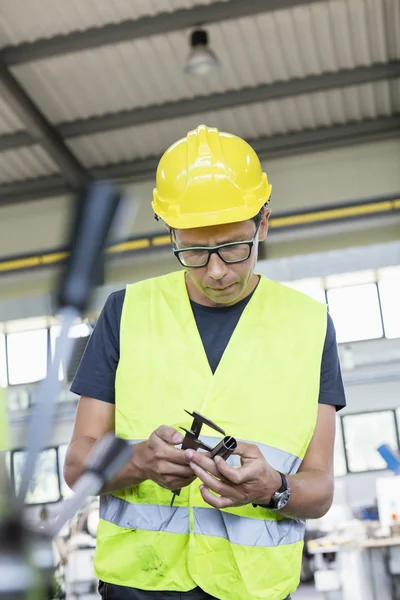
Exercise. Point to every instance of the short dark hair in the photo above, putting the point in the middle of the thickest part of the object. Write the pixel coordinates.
(259, 216)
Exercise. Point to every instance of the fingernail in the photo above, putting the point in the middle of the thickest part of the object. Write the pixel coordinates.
(189, 454)
(201, 487)
(192, 465)
(178, 438)
(217, 459)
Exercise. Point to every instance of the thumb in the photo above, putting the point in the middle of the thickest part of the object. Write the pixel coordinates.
(246, 450)
(169, 434)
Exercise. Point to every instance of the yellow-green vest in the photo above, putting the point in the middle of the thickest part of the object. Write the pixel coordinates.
(265, 390)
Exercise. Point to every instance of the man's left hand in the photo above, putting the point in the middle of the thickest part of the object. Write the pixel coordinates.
(253, 482)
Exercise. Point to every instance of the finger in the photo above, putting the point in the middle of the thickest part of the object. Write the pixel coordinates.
(247, 450)
(176, 483)
(168, 468)
(216, 485)
(169, 435)
(174, 455)
(202, 460)
(235, 475)
(215, 501)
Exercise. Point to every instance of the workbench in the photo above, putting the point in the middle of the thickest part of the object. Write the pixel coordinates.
(356, 569)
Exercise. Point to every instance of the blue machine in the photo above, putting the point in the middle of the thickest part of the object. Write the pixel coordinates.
(391, 458)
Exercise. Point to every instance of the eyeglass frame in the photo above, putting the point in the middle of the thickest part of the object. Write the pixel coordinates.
(215, 250)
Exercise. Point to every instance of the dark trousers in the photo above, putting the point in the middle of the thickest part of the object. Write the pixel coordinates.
(109, 591)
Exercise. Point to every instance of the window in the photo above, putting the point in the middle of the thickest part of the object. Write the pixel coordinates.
(339, 456)
(65, 490)
(347, 279)
(3, 361)
(364, 433)
(311, 287)
(7, 461)
(389, 291)
(27, 356)
(355, 312)
(398, 423)
(19, 398)
(5, 470)
(44, 486)
(76, 331)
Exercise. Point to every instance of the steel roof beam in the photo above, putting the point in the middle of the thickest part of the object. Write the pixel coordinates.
(213, 102)
(40, 129)
(162, 23)
(267, 148)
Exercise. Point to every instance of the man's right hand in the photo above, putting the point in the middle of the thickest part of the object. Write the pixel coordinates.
(157, 459)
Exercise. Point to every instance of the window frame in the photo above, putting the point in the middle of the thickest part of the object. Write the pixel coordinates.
(48, 358)
(378, 281)
(343, 444)
(368, 412)
(12, 476)
(397, 423)
(6, 373)
(369, 339)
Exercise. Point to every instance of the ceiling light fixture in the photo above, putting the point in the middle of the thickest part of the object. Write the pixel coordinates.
(202, 59)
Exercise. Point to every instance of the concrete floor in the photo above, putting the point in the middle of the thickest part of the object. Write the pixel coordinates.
(307, 592)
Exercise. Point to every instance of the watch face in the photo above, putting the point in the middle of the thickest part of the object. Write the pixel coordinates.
(283, 499)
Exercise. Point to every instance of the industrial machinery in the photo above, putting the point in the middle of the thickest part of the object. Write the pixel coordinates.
(360, 558)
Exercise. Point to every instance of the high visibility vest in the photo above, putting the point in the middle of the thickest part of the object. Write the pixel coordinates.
(264, 391)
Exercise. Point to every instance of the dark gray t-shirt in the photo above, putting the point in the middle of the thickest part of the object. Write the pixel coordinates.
(95, 376)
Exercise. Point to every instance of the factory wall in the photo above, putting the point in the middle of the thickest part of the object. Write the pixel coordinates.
(305, 181)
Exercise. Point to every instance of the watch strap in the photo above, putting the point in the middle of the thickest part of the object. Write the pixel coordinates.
(283, 487)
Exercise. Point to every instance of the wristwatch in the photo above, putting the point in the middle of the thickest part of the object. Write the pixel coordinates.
(279, 498)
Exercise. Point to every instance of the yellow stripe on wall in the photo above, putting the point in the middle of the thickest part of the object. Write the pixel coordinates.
(320, 216)
(334, 213)
(20, 263)
(129, 245)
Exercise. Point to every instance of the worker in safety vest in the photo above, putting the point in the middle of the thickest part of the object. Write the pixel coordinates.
(254, 356)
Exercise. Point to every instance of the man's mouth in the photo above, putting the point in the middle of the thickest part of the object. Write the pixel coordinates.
(223, 289)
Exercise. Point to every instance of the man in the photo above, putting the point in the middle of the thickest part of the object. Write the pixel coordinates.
(257, 358)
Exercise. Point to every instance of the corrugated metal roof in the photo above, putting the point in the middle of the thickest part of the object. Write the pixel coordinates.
(277, 46)
(26, 163)
(259, 120)
(9, 122)
(27, 21)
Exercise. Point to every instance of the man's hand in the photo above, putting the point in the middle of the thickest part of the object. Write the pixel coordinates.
(157, 459)
(254, 482)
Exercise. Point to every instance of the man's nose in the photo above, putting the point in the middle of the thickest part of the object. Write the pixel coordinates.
(216, 267)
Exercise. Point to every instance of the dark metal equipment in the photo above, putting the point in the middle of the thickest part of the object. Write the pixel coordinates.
(192, 441)
(26, 556)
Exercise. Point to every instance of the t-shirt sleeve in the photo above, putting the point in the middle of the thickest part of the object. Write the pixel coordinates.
(331, 383)
(95, 376)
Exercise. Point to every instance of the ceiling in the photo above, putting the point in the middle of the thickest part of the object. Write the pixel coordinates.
(99, 88)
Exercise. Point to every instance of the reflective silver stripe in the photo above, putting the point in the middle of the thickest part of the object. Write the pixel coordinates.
(207, 521)
(150, 517)
(278, 459)
(245, 531)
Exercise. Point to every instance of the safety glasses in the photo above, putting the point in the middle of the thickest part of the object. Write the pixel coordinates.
(229, 253)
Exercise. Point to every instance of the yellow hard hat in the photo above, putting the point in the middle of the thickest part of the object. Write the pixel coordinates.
(209, 178)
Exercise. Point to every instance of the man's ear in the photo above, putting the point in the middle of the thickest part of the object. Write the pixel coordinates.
(263, 231)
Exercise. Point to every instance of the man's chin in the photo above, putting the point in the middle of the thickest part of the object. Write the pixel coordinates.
(225, 296)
